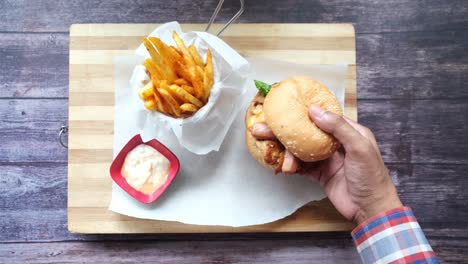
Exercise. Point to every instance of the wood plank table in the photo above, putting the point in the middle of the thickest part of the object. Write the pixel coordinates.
(411, 73)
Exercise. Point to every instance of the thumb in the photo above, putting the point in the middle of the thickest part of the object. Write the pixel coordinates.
(335, 125)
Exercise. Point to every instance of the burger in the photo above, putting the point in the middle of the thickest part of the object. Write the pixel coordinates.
(279, 133)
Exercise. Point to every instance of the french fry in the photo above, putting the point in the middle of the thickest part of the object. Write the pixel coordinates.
(200, 71)
(140, 94)
(209, 64)
(175, 55)
(190, 74)
(175, 50)
(185, 52)
(150, 48)
(164, 51)
(176, 95)
(197, 82)
(188, 89)
(201, 75)
(173, 105)
(188, 108)
(161, 105)
(160, 109)
(206, 86)
(185, 96)
(164, 85)
(150, 104)
(182, 71)
(190, 66)
(208, 78)
(181, 81)
(166, 72)
(195, 55)
(147, 91)
(152, 69)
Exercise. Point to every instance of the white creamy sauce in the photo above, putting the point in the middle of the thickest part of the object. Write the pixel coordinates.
(145, 169)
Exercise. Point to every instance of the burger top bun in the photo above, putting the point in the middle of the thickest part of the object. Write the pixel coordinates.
(286, 113)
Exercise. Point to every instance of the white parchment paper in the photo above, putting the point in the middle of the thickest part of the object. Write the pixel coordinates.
(214, 119)
(227, 187)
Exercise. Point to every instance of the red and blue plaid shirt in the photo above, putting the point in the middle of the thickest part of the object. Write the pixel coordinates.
(393, 236)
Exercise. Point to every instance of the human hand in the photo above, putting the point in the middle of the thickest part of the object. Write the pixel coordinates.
(356, 180)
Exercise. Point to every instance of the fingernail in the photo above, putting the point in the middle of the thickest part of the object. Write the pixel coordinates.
(262, 131)
(316, 111)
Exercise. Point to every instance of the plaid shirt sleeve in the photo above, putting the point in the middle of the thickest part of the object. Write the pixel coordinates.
(393, 236)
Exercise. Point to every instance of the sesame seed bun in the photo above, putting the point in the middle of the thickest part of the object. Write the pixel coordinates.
(286, 113)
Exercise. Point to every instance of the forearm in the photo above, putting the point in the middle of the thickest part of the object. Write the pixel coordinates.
(393, 237)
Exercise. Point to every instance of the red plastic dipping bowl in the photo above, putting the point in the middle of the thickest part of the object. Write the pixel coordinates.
(116, 167)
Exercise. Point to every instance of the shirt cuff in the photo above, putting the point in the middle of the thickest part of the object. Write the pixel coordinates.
(393, 236)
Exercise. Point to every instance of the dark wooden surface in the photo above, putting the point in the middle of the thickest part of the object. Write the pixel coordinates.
(412, 91)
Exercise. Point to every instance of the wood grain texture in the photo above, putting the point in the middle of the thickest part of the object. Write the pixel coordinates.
(418, 131)
(405, 130)
(287, 251)
(415, 65)
(42, 215)
(421, 57)
(89, 187)
(29, 129)
(450, 250)
(241, 42)
(435, 192)
(261, 251)
(368, 16)
(33, 65)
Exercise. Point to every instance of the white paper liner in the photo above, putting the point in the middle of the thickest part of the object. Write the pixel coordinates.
(227, 187)
(214, 119)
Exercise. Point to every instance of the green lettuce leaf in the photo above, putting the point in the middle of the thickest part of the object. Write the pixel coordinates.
(263, 87)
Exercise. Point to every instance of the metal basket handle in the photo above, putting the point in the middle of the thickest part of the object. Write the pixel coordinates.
(215, 14)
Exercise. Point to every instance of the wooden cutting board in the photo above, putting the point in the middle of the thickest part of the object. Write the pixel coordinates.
(91, 115)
